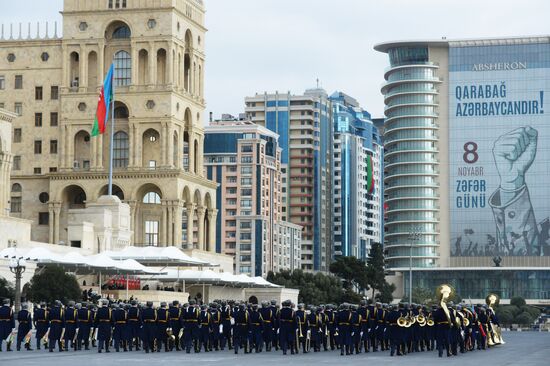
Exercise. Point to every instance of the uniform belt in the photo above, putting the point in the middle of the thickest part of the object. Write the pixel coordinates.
(23, 321)
(364, 321)
(267, 321)
(343, 323)
(204, 323)
(286, 320)
(121, 322)
(149, 321)
(445, 322)
(56, 321)
(70, 321)
(393, 323)
(191, 320)
(84, 321)
(105, 320)
(242, 324)
(174, 318)
(133, 320)
(380, 321)
(228, 318)
(255, 323)
(163, 321)
(42, 321)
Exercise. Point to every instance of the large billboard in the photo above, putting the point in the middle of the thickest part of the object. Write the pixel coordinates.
(499, 153)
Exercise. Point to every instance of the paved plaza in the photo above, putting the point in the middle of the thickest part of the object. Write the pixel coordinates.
(525, 349)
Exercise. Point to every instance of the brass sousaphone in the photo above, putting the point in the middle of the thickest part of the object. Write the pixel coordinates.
(444, 293)
(493, 300)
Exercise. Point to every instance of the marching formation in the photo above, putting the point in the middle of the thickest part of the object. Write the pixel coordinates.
(190, 327)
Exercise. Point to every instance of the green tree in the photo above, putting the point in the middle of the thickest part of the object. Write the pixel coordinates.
(353, 271)
(375, 268)
(505, 316)
(386, 293)
(53, 283)
(6, 289)
(315, 288)
(422, 295)
(518, 301)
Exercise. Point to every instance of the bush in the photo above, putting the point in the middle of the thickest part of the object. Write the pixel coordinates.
(52, 284)
(534, 312)
(524, 319)
(517, 301)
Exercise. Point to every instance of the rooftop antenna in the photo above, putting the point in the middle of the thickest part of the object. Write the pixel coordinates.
(2, 36)
(37, 30)
(55, 30)
(20, 27)
(317, 83)
(11, 30)
(29, 31)
(47, 32)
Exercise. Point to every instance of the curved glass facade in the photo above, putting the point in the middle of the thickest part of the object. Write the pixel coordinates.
(412, 170)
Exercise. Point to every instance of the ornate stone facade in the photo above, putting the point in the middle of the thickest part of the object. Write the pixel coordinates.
(53, 83)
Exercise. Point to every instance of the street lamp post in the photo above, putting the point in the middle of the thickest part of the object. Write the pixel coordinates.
(18, 266)
(414, 235)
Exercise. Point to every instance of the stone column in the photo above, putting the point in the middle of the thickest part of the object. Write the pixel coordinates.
(70, 145)
(200, 162)
(170, 150)
(200, 218)
(135, 64)
(136, 150)
(66, 66)
(180, 148)
(170, 223)
(177, 216)
(191, 153)
(152, 64)
(52, 222)
(100, 140)
(190, 217)
(83, 69)
(212, 215)
(164, 145)
(133, 207)
(101, 64)
(164, 224)
(57, 217)
(170, 65)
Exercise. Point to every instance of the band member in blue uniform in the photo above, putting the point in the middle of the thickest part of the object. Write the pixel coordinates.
(190, 324)
(162, 325)
(120, 320)
(85, 322)
(256, 327)
(225, 337)
(174, 312)
(149, 318)
(56, 317)
(286, 320)
(204, 328)
(394, 331)
(41, 323)
(24, 319)
(104, 323)
(134, 325)
(240, 330)
(71, 326)
(343, 324)
(268, 317)
(301, 328)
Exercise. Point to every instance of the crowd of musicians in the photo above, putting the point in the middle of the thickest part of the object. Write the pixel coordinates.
(292, 329)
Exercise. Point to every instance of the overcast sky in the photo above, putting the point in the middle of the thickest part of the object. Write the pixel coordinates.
(268, 45)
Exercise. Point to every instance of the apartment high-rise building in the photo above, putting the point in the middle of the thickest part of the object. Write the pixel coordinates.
(304, 126)
(466, 165)
(245, 160)
(52, 82)
(357, 179)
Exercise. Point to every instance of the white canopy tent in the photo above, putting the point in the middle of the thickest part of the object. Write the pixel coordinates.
(213, 278)
(159, 256)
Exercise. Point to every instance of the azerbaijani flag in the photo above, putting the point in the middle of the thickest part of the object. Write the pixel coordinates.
(370, 175)
(102, 114)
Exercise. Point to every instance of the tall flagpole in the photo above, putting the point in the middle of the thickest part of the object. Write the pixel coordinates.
(112, 138)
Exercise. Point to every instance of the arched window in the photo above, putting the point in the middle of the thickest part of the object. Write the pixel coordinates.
(152, 197)
(123, 68)
(121, 112)
(16, 187)
(122, 32)
(120, 150)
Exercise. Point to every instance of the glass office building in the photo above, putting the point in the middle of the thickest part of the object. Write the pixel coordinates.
(466, 168)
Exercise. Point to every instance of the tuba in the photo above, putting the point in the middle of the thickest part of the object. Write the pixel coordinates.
(402, 322)
(443, 293)
(430, 322)
(495, 333)
(170, 334)
(421, 320)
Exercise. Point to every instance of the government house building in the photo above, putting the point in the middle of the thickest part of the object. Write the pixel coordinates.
(52, 84)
